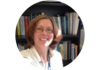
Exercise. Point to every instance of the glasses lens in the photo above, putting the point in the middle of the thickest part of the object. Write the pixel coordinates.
(40, 30)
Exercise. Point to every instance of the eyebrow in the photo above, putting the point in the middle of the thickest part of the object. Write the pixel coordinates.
(43, 27)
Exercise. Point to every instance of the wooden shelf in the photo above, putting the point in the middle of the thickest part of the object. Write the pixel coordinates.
(70, 36)
(23, 40)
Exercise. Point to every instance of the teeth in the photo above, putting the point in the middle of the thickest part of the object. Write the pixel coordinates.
(44, 39)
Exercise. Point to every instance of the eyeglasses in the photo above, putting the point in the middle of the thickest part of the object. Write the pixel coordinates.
(40, 30)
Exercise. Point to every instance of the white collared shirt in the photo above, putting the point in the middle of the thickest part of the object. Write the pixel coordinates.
(33, 57)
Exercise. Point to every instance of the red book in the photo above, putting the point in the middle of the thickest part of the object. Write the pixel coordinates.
(25, 23)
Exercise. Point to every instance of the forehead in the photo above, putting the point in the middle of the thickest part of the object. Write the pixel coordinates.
(44, 23)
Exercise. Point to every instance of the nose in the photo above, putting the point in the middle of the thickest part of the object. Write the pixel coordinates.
(44, 32)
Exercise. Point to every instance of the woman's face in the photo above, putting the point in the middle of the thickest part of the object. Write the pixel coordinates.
(43, 35)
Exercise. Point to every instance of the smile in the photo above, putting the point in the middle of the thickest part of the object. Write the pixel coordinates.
(43, 39)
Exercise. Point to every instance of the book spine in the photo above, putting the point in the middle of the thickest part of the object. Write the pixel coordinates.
(72, 53)
(35, 15)
(62, 24)
(57, 48)
(32, 17)
(64, 51)
(66, 24)
(61, 49)
(22, 29)
(69, 50)
(56, 19)
(77, 23)
(25, 23)
(76, 48)
(59, 23)
(68, 21)
(64, 19)
(70, 24)
(29, 19)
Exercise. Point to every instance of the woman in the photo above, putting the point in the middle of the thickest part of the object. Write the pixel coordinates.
(42, 37)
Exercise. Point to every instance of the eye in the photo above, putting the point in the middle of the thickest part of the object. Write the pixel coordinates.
(48, 29)
(39, 28)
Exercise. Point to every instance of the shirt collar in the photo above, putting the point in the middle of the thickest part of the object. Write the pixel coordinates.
(37, 55)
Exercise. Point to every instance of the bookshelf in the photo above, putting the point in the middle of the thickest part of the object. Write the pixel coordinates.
(53, 8)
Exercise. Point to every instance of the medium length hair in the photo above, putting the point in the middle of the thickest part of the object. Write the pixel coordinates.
(32, 26)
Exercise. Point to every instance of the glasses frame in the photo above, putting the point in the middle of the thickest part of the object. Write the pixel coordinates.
(47, 30)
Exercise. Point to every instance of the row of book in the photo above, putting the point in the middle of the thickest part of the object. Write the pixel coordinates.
(68, 24)
(67, 49)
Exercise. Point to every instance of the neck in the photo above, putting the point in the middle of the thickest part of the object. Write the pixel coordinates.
(42, 53)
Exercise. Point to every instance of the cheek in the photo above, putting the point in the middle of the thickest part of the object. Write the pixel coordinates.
(35, 36)
(52, 36)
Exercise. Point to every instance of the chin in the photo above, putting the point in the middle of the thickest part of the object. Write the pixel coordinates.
(45, 45)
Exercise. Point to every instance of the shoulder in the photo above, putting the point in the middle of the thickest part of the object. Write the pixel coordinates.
(25, 53)
(55, 53)
(28, 55)
(56, 59)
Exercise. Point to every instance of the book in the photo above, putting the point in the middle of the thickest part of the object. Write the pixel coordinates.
(57, 48)
(21, 22)
(56, 20)
(67, 24)
(66, 52)
(59, 23)
(73, 53)
(70, 23)
(29, 19)
(81, 38)
(32, 17)
(75, 24)
(62, 24)
(76, 49)
(61, 49)
(67, 49)
(64, 55)
(25, 24)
